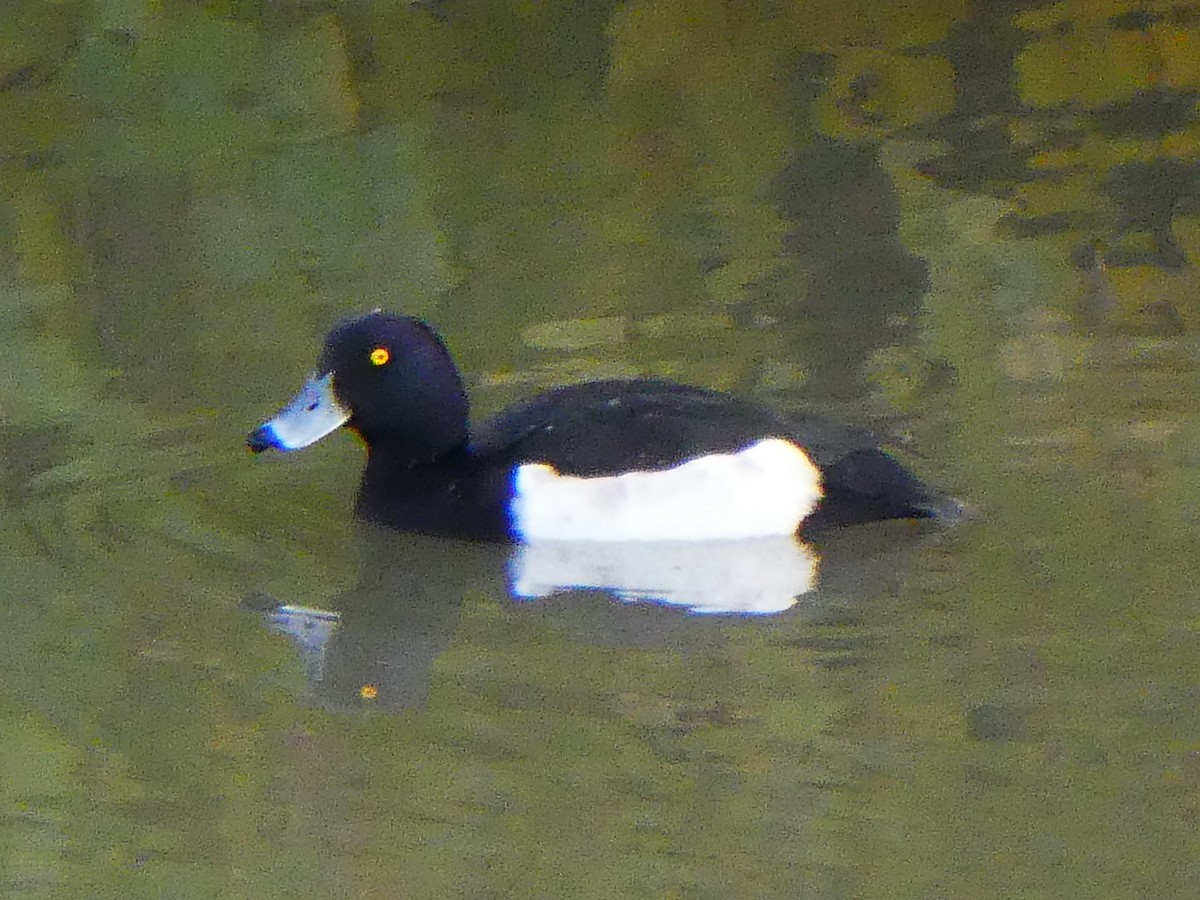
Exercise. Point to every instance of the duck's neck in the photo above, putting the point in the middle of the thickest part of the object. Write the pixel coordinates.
(453, 495)
(419, 434)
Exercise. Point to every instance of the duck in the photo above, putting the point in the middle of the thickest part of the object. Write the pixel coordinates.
(639, 459)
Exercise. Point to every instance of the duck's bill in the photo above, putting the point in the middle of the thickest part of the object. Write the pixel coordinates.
(312, 414)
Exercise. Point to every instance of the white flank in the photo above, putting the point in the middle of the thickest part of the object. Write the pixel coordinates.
(754, 577)
(766, 489)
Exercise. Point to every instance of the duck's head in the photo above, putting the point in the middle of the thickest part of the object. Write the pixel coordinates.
(389, 378)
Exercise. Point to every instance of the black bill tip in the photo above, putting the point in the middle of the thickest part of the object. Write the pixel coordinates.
(262, 438)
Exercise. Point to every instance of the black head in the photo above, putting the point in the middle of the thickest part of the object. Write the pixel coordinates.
(396, 378)
(388, 377)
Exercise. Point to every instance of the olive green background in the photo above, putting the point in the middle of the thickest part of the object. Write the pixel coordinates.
(974, 226)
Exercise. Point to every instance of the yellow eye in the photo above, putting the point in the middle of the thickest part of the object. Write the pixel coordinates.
(380, 356)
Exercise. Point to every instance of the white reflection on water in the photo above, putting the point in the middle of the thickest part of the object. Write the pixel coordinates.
(749, 577)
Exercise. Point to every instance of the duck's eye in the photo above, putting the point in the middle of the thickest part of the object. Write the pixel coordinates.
(380, 356)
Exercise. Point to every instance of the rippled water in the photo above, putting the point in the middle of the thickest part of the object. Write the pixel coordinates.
(216, 684)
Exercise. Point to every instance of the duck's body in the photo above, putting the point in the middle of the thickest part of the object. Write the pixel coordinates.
(608, 460)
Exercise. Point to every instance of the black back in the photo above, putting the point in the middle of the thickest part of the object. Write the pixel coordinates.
(609, 427)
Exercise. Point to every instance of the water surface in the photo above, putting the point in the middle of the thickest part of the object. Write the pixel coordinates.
(972, 228)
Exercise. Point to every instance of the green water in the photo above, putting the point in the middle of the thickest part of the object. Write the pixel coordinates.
(873, 211)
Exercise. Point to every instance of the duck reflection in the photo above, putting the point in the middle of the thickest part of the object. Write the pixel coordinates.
(749, 577)
(374, 644)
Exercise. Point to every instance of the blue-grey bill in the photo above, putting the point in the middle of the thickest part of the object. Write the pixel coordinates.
(312, 414)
